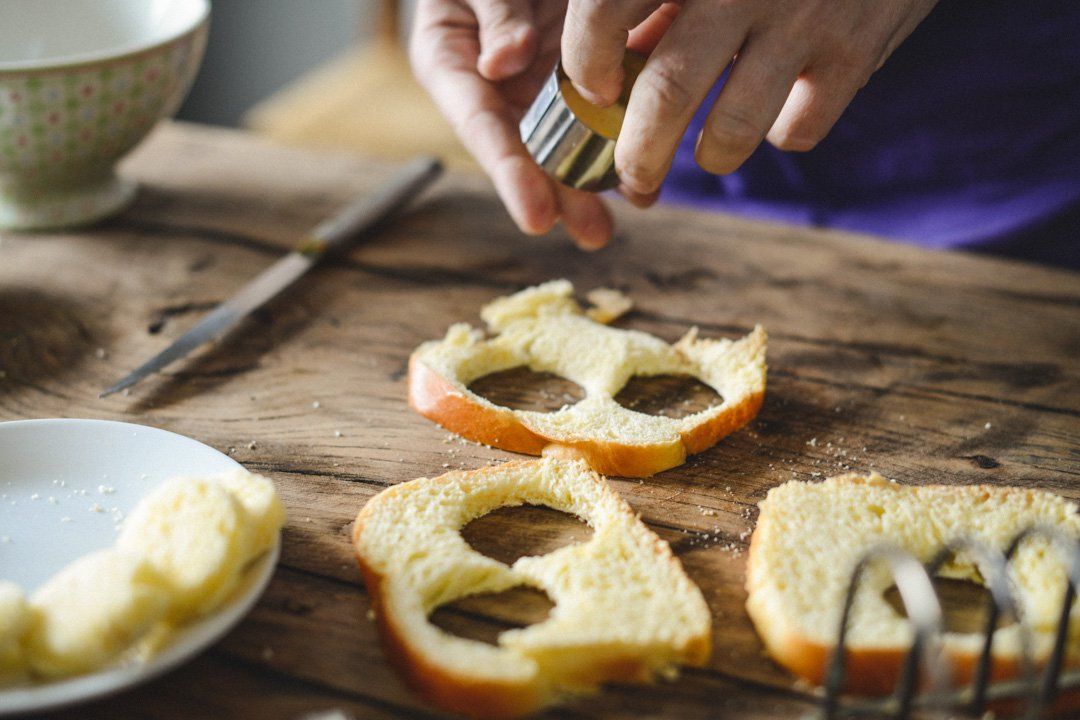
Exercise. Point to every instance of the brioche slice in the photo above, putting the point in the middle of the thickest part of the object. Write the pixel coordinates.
(14, 618)
(545, 329)
(91, 611)
(624, 608)
(810, 536)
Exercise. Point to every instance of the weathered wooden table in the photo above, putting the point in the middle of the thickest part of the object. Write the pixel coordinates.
(927, 367)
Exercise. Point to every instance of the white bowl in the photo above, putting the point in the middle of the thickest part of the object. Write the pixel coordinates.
(81, 83)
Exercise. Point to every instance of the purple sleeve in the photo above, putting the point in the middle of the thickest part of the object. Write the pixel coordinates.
(968, 137)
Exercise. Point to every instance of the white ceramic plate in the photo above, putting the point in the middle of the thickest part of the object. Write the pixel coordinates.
(64, 487)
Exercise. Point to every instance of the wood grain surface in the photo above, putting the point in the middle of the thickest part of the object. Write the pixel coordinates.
(927, 367)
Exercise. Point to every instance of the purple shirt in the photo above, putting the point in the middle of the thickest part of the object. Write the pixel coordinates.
(968, 137)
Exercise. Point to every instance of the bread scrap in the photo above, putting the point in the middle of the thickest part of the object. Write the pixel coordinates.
(546, 330)
(14, 617)
(624, 608)
(180, 553)
(810, 536)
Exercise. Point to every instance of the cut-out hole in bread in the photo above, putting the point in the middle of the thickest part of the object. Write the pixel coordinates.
(522, 389)
(673, 396)
(543, 328)
(486, 616)
(624, 609)
(508, 533)
(965, 604)
(810, 536)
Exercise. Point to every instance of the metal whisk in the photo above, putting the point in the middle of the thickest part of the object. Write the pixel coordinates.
(937, 698)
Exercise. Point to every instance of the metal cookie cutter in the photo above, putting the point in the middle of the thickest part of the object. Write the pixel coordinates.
(572, 139)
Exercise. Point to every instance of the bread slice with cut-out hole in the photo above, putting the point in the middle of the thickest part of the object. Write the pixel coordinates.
(624, 608)
(543, 328)
(809, 537)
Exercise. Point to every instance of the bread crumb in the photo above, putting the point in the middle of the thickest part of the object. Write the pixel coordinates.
(987, 426)
(812, 442)
(101, 354)
(607, 304)
(316, 405)
(252, 445)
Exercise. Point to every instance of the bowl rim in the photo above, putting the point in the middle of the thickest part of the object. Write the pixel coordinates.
(109, 55)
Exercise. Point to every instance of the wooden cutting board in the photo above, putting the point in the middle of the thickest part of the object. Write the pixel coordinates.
(928, 367)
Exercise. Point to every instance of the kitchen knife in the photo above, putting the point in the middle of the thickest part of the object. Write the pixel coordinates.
(328, 237)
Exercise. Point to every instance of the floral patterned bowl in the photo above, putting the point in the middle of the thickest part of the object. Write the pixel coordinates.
(81, 83)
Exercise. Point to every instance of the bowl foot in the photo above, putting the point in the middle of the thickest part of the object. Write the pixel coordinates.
(54, 207)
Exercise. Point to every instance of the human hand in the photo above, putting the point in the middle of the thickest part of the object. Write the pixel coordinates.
(483, 62)
(799, 63)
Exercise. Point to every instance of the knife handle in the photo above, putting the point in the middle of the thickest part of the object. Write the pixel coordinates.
(358, 217)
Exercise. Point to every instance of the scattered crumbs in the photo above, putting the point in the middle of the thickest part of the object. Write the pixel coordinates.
(96, 508)
(231, 449)
(53, 500)
(101, 354)
(105, 489)
(815, 474)
(337, 433)
(708, 512)
(307, 519)
(268, 653)
(987, 426)
(727, 488)
(812, 442)
(446, 465)
(35, 496)
(65, 519)
(745, 534)
(143, 476)
(903, 418)
(252, 445)
(316, 404)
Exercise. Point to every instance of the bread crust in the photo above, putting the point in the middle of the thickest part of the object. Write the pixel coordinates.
(868, 671)
(435, 397)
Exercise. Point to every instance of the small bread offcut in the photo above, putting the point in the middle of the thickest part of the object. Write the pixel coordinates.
(14, 619)
(543, 328)
(809, 537)
(624, 608)
(181, 552)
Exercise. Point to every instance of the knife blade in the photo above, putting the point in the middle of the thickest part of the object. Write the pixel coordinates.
(330, 236)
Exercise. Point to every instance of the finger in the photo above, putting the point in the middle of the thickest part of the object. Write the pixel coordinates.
(507, 37)
(749, 103)
(645, 37)
(444, 51)
(594, 42)
(585, 217)
(638, 199)
(815, 104)
(672, 85)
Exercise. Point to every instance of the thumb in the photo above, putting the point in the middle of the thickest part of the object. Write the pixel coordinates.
(507, 37)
